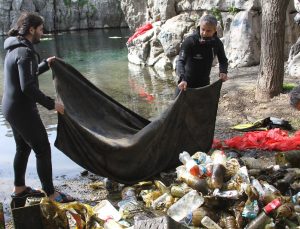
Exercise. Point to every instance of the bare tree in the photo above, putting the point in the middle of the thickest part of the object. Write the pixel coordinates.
(271, 73)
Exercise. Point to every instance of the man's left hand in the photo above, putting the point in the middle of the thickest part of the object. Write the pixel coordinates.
(50, 60)
(223, 77)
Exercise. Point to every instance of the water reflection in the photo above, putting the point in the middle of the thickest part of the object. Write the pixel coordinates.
(151, 94)
(103, 61)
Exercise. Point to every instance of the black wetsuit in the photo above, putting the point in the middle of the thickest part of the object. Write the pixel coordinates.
(196, 57)
(21, 93)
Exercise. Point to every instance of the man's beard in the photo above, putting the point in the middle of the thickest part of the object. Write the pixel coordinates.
(36, 39)
(206, 38)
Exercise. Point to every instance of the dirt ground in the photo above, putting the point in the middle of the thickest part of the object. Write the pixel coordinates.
(237, 105)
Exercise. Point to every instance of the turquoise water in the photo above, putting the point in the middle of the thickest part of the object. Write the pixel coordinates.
(101, 56)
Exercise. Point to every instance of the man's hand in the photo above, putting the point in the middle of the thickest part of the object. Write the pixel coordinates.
(59, 107)
(223, 77)
(50, 60)
(182, 85)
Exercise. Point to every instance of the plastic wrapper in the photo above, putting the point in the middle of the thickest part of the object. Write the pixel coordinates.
(232, 167)
(202, 158)
(55, 215)
(149, 196)
(250, 210)
(180, 190)
(239, 181)
(229, 194)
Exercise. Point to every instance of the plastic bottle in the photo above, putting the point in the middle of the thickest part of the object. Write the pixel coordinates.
(128, 192)
(218, 157)
(163, 201)
(263, 218)
(111, 186)
(217, 177)
(296, 198)
(129, 207)
(204, 171)
(230, 222)
(112, 224)
(185, 205)
(218, 172)
(209, 223)
(194, 182)
(189, 163)
(202, 158)
(199, 213)
(258, 188)
(270, 188)
(180, 190)
(105, 210)
(259, 222)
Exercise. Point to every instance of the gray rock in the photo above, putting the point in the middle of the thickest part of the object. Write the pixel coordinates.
(59, 15)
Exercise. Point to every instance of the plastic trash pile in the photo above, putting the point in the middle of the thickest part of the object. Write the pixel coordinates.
(219, 190)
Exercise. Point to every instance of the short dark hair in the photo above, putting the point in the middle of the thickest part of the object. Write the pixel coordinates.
(209, 19)
(25, 21)
(295, 96)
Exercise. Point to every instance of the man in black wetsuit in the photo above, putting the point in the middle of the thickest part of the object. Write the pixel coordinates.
(295, 98)
(21, 93)
(197, 54)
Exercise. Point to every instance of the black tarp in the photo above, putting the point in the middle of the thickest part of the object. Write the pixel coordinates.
(107, 139)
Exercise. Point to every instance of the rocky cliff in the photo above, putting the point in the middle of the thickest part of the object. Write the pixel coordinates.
(172, 20)
(65, 14)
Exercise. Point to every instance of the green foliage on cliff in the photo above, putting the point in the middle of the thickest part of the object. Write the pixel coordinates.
(217, 13)
(233, 10)
(79, 3)
(82, 3)
(68, 2)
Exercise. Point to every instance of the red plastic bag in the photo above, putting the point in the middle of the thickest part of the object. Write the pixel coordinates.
(139, 31)
(274, 139)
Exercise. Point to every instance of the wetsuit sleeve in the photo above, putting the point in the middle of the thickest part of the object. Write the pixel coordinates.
(184, 52)
(43, 67)
(29, 83)
(223, 61)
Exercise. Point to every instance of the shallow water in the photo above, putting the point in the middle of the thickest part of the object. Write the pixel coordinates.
(101, 56)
